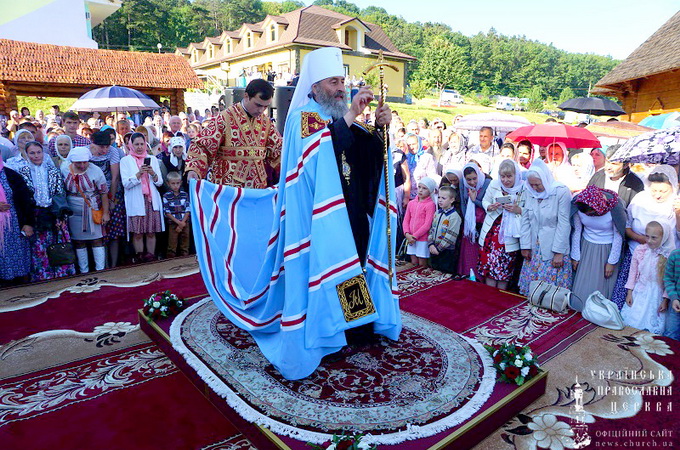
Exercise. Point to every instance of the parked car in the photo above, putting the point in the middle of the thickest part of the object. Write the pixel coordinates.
(449, 96)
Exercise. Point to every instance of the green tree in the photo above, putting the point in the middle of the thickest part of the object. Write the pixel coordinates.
(445, 65)
(485, 96)
(536, 97)
(566, 94)
(276, 8)
(418, 89)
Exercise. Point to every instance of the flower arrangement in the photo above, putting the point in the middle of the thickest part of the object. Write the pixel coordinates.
(513, 363)
(163, 304)
(344, 442)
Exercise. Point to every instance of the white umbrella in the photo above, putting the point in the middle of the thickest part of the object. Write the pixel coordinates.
(114, 99)
(500, 122)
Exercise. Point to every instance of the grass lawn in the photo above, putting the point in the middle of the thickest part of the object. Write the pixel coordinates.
(44, 103)
(420, 108)
(428, 108)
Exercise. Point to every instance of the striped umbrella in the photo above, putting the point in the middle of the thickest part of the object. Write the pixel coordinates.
(113, 99)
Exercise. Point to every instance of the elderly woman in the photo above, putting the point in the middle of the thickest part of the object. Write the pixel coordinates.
(141, 176)
(618, 177)
(63, 146)
(175, 161)
(421, 164)
(14, 157)
(545, 230)
(51, 212)
(599, 158)
(599, 222)
(16, 226)
(454, 150)
(557, 158)
(86, 195)
(473, 188)
(583, 168)
(500, 233)
(656, 203)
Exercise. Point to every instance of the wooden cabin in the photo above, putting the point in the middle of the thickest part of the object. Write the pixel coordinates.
(648, 81)
(45, 70)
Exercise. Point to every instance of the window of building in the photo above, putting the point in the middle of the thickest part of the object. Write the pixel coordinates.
(272, 32)
(211, 51)
(249, 40)
(229, 46)
(194, 56)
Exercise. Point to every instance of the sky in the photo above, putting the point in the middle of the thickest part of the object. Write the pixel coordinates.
(603, 27)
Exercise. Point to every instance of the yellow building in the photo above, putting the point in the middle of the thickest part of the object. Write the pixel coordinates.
(278, 45)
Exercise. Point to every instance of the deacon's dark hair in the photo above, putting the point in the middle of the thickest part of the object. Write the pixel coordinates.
(508, 145)
(70, 115)
(101, 138)
(261, 87)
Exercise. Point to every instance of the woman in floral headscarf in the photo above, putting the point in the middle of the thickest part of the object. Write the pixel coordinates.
(656, 203)
(473, 188)
(599, 222)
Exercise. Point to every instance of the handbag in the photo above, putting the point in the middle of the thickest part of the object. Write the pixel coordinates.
(61, 253)
(549, 296)
(603, 312)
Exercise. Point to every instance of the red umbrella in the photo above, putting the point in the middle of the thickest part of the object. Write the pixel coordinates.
(548, 133)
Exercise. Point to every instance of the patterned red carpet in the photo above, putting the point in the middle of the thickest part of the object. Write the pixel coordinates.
(76, 372)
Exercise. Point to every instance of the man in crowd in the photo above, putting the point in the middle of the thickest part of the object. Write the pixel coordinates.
(175, 124)
(484, 152)
(240, 147)
(71, 123)
(122, 128)
(302, 264)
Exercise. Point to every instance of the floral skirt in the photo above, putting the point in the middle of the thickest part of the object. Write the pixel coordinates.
(539, 270)
(494, 261)
(151, 222)
(40, 264)
(117, 227)
(620, 291)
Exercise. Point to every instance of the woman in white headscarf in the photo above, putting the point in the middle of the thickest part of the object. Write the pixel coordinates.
(545, 230)
(86, 195)
(557, 157)
(656, 203)
(63, 146)
(51, 212)
(174, 161)
(16, 158)
(473, 188)
(500, 232)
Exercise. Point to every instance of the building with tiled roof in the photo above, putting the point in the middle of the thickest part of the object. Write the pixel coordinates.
(279, 44)
(41, 70)
(648, 81)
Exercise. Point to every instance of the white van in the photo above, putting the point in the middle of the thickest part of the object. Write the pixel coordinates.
(449, 96)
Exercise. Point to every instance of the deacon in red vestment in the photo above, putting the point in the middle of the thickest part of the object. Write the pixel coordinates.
(240, 147)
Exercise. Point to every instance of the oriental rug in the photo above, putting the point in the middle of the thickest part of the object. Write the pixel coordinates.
(430, 380)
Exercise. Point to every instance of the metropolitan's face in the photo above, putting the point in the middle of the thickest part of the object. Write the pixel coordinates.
(331, 89)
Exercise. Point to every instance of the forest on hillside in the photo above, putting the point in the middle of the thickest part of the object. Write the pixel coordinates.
(486, 63)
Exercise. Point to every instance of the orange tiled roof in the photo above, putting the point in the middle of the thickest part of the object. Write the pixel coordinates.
(312, 25)
(44, 63)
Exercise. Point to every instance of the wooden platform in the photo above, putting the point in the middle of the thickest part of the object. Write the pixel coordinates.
(505, 402)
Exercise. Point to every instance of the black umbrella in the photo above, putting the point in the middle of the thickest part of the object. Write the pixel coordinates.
(592, 105)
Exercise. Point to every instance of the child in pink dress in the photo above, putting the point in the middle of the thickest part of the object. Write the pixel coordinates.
(645, 307)
(418, 220)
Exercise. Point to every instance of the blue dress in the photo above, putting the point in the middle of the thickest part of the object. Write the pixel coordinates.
(15, 255)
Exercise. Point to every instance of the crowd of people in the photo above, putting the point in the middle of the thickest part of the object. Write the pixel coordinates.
(115, 188)
(509, 213)
(502, 213)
